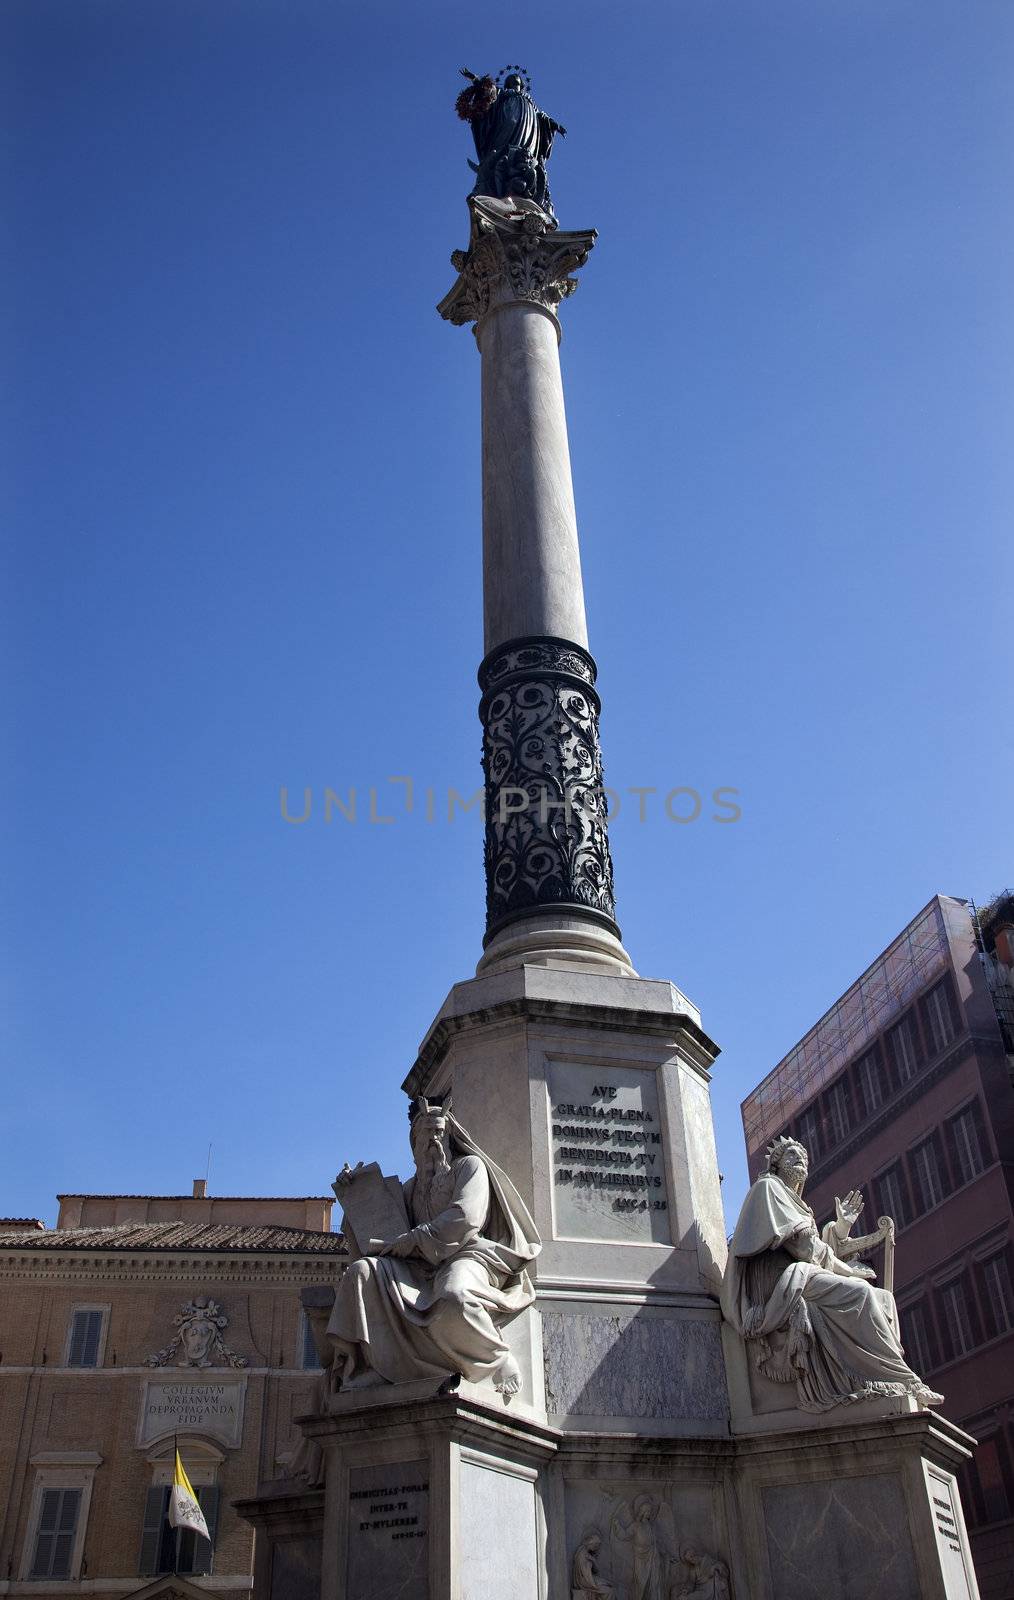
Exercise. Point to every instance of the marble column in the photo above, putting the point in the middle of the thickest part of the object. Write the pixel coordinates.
(549, 875)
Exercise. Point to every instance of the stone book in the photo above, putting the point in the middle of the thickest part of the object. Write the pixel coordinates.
(373, 1208)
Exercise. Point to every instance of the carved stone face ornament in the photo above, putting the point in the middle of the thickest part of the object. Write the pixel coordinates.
(198, 1341)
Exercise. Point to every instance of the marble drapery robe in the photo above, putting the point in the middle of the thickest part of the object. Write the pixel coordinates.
(841, 1332)
(438, 1310)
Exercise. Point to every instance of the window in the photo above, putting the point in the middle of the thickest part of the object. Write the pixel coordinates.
(927, 1172)
(86, 1336)
(916, 1333)
(837, 1112)
(967, 1146)
(998, 1297)
(310, 1356)
(56, 1533)
(869, 1082)
(957, 1319)
(808, 1133)
(58, 1514)
(891, 1187)
(995, 1499)
(939, 1016)
(167, 1549)
(903, 1049)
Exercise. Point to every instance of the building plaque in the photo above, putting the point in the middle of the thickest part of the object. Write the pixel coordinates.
(211, 1407)
(609, 1177)
(388, 1546)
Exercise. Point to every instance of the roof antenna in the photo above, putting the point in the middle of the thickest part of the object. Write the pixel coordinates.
(207, 1170)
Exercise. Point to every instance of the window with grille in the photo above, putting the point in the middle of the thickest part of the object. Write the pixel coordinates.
(837, 1112)
(940, 1016)
(998, 1296)
(967, 1145)
(54, 1537)
(957, 1319)
(869, 1082)
(310, 1356)
(918, 1347)
(85, 1338)
(892, 1195)
(168, 1549)
(903, 1049)
(927, 1173)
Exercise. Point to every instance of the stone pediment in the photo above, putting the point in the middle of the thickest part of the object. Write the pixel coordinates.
(169, 1587)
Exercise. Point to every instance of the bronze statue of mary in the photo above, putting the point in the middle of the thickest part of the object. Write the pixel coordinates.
(513, 138)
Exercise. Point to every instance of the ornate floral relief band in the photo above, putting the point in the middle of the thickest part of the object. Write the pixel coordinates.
(547, 844)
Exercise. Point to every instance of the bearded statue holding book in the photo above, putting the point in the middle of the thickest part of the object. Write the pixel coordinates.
(440, 1264)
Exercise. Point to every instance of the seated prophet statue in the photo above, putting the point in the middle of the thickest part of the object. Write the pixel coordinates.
(811, 1317)
(432, 1301)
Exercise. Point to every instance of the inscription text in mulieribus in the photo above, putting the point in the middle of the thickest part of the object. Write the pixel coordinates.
(609, 1178)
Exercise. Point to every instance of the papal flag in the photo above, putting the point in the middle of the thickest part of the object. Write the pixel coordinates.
(184, 1511)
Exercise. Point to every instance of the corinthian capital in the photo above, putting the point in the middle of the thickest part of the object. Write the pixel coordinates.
(516, 252)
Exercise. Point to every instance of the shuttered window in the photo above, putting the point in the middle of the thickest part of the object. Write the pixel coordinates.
(54, 1537)
(967, 1145)
(938, 1012)
(837, 1112)
(85, 1337)
(959, 1323)
(310, 1356)
(892, 1196)
(999, 1299)
(915, 1331)
(167, 1549)
(927, 1171)
(903, 1049)
(869, 1082)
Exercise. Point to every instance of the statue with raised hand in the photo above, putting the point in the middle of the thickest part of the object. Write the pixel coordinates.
(809, 1314)
(513, 138)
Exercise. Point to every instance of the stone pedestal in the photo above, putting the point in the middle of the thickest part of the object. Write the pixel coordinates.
(428, 1495)
(449, 1497)
(592, 1092)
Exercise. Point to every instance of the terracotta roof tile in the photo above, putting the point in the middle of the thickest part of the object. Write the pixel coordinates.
(177, 1236)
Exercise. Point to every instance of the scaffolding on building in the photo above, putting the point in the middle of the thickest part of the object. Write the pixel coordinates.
(885, 988)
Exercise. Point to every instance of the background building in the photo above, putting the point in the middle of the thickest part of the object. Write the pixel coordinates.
(904, 1089)
(136, 1318)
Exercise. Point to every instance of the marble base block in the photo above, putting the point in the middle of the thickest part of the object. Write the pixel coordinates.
(445, 1497)
(428, 1495)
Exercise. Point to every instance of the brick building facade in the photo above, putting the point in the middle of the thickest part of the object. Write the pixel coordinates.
(904, 1090)
(135, 1319)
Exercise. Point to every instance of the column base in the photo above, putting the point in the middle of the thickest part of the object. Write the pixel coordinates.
(569, 942)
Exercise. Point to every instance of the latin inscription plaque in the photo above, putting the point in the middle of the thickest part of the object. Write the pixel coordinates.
(388, 1555)
(205, 1407)
(609, 1179)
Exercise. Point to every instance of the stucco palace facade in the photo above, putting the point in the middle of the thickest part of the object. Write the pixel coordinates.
(134, 1319)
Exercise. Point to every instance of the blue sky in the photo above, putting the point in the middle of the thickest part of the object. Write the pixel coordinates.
(242, 547)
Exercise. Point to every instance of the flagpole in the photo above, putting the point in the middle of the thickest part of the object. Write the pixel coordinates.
(176, 1531)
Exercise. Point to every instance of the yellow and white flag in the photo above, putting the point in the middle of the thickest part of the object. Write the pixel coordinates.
(184, 1511)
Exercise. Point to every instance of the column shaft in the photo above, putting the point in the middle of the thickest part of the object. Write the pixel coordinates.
(531, 559)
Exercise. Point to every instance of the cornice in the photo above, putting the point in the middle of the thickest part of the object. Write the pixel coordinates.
(78, 1266)
(183, 1375)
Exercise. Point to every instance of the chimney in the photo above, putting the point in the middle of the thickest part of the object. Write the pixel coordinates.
(200, 1188)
